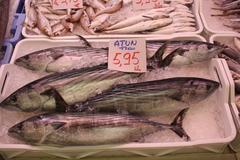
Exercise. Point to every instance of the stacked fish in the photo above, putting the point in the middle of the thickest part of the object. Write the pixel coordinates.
(232, 57)
(109, 17)
(105, 106)
(230, 12)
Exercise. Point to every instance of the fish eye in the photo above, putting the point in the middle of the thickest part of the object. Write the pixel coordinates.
(27, 57)
(209, 46)
(209, 87)
(13, 98)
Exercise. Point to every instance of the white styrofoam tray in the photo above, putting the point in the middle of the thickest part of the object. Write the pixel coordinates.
(212, 25)
(228, 39)
(209, 123)
(195, 10)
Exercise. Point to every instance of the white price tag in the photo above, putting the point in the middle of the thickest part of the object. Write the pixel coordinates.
(147, 4)
(67, 4)
(127, 55)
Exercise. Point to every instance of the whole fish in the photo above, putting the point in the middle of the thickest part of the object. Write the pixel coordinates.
(61, 59)
(147, 98)
(150, 15)
(4, 14)
(142, 26)
(90, 129)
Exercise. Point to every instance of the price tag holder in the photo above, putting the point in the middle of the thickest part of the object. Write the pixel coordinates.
(147, 4)
(67, 4)
(127, 55)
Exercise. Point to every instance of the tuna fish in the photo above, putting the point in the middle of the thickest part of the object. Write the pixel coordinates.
(94, 82)
(90, 129)
(146, 98)
(62, 59)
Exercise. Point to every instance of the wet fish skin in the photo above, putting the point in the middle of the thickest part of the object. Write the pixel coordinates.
(60, 59)
(65, 58)
(149, 98)
(75, 85)
(90, 129)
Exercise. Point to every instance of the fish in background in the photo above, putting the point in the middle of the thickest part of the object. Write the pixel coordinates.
(230, 13)
(71, 129)
(4, 15)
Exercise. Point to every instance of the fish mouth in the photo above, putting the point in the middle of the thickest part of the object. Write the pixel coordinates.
(15, 131)
(212, 86)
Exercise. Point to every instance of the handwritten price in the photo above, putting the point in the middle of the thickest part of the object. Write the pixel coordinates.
(127, 55)
(127, 59)
(66, 4)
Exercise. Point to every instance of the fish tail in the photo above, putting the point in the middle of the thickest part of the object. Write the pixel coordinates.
(177, 125)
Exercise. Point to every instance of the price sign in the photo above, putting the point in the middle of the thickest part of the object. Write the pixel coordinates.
(147, 4)
(67, 4)
(127, 55)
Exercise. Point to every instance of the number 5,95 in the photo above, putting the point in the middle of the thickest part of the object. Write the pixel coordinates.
(128, 58)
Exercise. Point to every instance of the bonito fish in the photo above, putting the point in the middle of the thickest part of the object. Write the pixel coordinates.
(60, 59)
(147, 98)
(94, 129)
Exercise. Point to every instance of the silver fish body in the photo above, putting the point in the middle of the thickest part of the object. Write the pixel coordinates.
(97, 129)
(62, 59)
(151, 97)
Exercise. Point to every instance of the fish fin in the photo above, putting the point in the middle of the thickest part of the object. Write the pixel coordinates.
(169, 58)
(177, 125)
(158, 56)
(61, 105)
(58, 125)
(86, 43)
(151, 18)
(55, 56)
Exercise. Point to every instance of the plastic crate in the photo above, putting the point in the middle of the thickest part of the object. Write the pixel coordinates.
(16, 30)
(195, 10)
(21, 8)
(228, 40)
(8, 50)
(214, 144)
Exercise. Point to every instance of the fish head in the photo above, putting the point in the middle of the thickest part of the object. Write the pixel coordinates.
(26, 100)
(35, 62)
(214, 49)
(197, 89)
(26, 129)
(34, 129)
